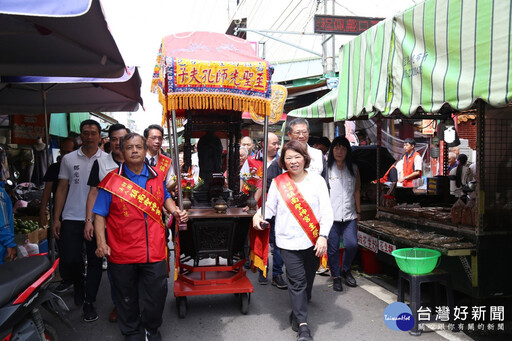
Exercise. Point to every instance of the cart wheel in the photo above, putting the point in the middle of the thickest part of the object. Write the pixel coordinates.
(244, 303)
(181, 305)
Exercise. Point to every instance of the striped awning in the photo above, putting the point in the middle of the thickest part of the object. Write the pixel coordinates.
(437, 52)
(324, 107)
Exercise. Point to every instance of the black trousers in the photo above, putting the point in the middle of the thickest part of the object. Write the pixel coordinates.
(301, 266)
(144, 284)
(71, 263)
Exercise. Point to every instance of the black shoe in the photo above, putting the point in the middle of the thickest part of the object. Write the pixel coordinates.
(90, 314)
(79, 293)
(304, 334)
(247, 265)
(336, 284)
(293, 322)
(279, 282)
(262, 279)
(349, 279)
(63, 287)
(153, 335)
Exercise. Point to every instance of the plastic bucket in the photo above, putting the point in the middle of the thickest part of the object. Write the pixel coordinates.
(371, 265)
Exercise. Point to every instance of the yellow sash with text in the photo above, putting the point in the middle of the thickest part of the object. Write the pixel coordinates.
(133, 194)
(298, 206)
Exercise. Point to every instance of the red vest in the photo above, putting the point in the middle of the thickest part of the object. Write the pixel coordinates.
(408, 168)
(132, 237)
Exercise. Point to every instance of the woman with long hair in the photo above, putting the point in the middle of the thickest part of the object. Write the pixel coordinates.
(299, 201)
(345, 183)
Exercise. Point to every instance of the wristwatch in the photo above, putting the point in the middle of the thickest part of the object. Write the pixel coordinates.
(89, 220)
(323, 235)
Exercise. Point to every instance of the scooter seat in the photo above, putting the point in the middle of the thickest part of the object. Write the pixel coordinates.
(18, 275)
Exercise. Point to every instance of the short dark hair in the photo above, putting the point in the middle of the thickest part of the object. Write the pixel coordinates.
(69, 139)
(324, 141)
(90, 123)
(116, 127)
(297, 147)
(130, 136)
(410, 140)
(153, 126)
(295, 121)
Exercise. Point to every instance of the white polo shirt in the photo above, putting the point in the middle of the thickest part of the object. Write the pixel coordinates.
(76, 168)
(317, 160)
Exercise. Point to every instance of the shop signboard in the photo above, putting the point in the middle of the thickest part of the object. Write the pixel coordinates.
(27, 128)
(367, 241)
(386, 247)
(332, 24)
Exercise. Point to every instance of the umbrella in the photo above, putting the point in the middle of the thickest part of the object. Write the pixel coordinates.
(35, 95)
(57, 38)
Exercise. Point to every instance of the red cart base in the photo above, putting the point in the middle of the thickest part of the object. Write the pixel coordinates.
(212, 280)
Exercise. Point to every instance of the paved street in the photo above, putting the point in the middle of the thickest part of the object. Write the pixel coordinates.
(354, 314)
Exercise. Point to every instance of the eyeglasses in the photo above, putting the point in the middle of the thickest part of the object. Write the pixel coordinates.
(298, 133)
(156, 138)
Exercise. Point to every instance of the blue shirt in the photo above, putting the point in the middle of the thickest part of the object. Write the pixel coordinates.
(6, 223)
(104, 199)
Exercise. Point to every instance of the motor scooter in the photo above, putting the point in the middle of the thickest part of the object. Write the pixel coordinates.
(24, 288)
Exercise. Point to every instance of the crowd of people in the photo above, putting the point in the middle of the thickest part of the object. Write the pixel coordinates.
(117, 205)
(113, 207)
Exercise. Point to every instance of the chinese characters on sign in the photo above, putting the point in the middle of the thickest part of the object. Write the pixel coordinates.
(231, 75)
(412, 64)
(386, 247)
(367, 241)
(490, 318)
(331, 24)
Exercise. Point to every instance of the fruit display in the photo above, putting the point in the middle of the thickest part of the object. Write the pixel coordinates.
(24, 226)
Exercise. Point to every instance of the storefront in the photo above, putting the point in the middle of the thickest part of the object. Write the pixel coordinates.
(428, 63)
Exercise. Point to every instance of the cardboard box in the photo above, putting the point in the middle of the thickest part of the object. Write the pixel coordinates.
(43, 234)
(33, 237)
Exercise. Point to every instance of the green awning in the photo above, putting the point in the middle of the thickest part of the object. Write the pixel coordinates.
(324, 107)
(437, 52)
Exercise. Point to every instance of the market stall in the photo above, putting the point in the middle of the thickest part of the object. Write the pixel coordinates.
(25, 99)
(435, 61)
(209, 79)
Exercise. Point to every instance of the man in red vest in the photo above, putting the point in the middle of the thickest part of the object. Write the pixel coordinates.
(412, 165)
(129, 203)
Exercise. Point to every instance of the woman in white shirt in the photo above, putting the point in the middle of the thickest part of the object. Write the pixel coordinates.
(299, 200)
(344, 182)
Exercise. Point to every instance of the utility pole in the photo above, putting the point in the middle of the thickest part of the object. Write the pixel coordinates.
(328, 62)
(328, 54)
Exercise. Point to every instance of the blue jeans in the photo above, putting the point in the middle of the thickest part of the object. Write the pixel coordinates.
(347, 229)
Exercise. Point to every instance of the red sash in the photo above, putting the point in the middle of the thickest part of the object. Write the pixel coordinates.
(134, 194)
(298, 206)
(163, 165)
